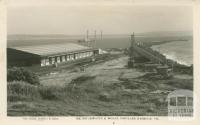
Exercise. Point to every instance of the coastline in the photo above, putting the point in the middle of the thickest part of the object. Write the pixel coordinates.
(177, 66)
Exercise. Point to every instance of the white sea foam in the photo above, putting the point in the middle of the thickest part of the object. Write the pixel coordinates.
(180, 51)
(174, 57)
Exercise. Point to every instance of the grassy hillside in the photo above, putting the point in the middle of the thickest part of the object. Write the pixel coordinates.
(107, 89)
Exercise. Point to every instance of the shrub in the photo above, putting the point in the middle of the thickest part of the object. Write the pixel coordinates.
(21, 74)
(19, 90)
(104, 97)
(181, 83)
(50, 93)
(82, 79)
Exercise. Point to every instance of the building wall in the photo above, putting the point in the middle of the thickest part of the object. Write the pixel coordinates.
(51, 60)
(20, 58)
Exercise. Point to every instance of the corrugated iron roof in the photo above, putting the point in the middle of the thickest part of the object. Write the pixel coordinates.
(52, 49)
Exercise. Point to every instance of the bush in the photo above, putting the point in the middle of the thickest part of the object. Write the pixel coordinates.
(21, 74)
(50, 93)
(82, 79)
(104, 97)
(19, 90)
(181, 83)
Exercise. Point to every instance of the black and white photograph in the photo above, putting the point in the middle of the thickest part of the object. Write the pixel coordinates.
(99, 59)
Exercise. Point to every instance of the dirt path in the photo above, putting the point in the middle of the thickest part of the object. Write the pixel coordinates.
(107, 72)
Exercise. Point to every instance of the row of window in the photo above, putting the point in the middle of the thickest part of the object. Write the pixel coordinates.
(181, 101)
(64, 58)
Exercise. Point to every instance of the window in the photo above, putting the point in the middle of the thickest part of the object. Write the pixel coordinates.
(76, 56)
(71, 57)
(181, 101)
(88, 54)
(189, 101)
(173, 101)
(81, 55)
(47, 61)
(91, 53)
(84, 55)
(42, 62)
(63, 58)
(58, 59)
(68, 57)
(52, 60)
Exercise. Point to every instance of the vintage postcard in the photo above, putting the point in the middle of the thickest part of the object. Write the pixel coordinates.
(112, 62)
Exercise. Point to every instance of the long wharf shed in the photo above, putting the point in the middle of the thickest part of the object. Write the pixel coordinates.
(45, 55)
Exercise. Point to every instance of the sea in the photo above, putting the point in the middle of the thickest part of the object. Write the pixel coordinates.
(179, 49)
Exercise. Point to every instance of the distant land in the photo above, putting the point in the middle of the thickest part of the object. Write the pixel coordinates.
(91, 34)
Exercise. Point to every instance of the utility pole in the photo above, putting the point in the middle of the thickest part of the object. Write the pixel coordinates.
(131, 52)
(95, 37)
(101, 34)
(132, 45)
(87, 38)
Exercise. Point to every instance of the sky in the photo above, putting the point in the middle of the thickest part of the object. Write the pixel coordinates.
(33, 18)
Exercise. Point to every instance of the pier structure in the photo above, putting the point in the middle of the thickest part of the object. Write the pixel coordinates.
(131, 52)
(141, 54)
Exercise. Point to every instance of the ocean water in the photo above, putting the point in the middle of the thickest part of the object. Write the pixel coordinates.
(114, 43)
(180, 51)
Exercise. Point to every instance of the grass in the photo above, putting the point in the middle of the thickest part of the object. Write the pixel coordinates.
(87, 98)
(88, 95)
(19, 90)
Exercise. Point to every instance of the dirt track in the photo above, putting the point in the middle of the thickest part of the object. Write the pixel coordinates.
(106, 72)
